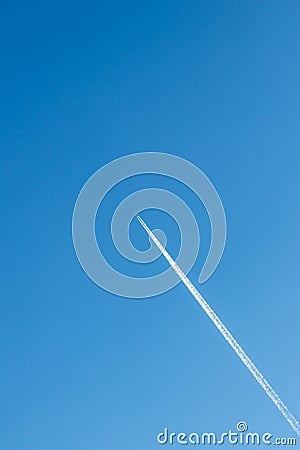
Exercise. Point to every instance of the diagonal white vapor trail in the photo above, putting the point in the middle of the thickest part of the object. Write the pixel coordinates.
(226, 334)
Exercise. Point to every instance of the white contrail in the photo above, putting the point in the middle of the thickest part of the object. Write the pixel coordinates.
(226, 334)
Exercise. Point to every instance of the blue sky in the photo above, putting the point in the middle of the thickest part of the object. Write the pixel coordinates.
(84, 83)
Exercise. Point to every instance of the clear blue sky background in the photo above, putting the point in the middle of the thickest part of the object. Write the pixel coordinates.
(83, 83)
